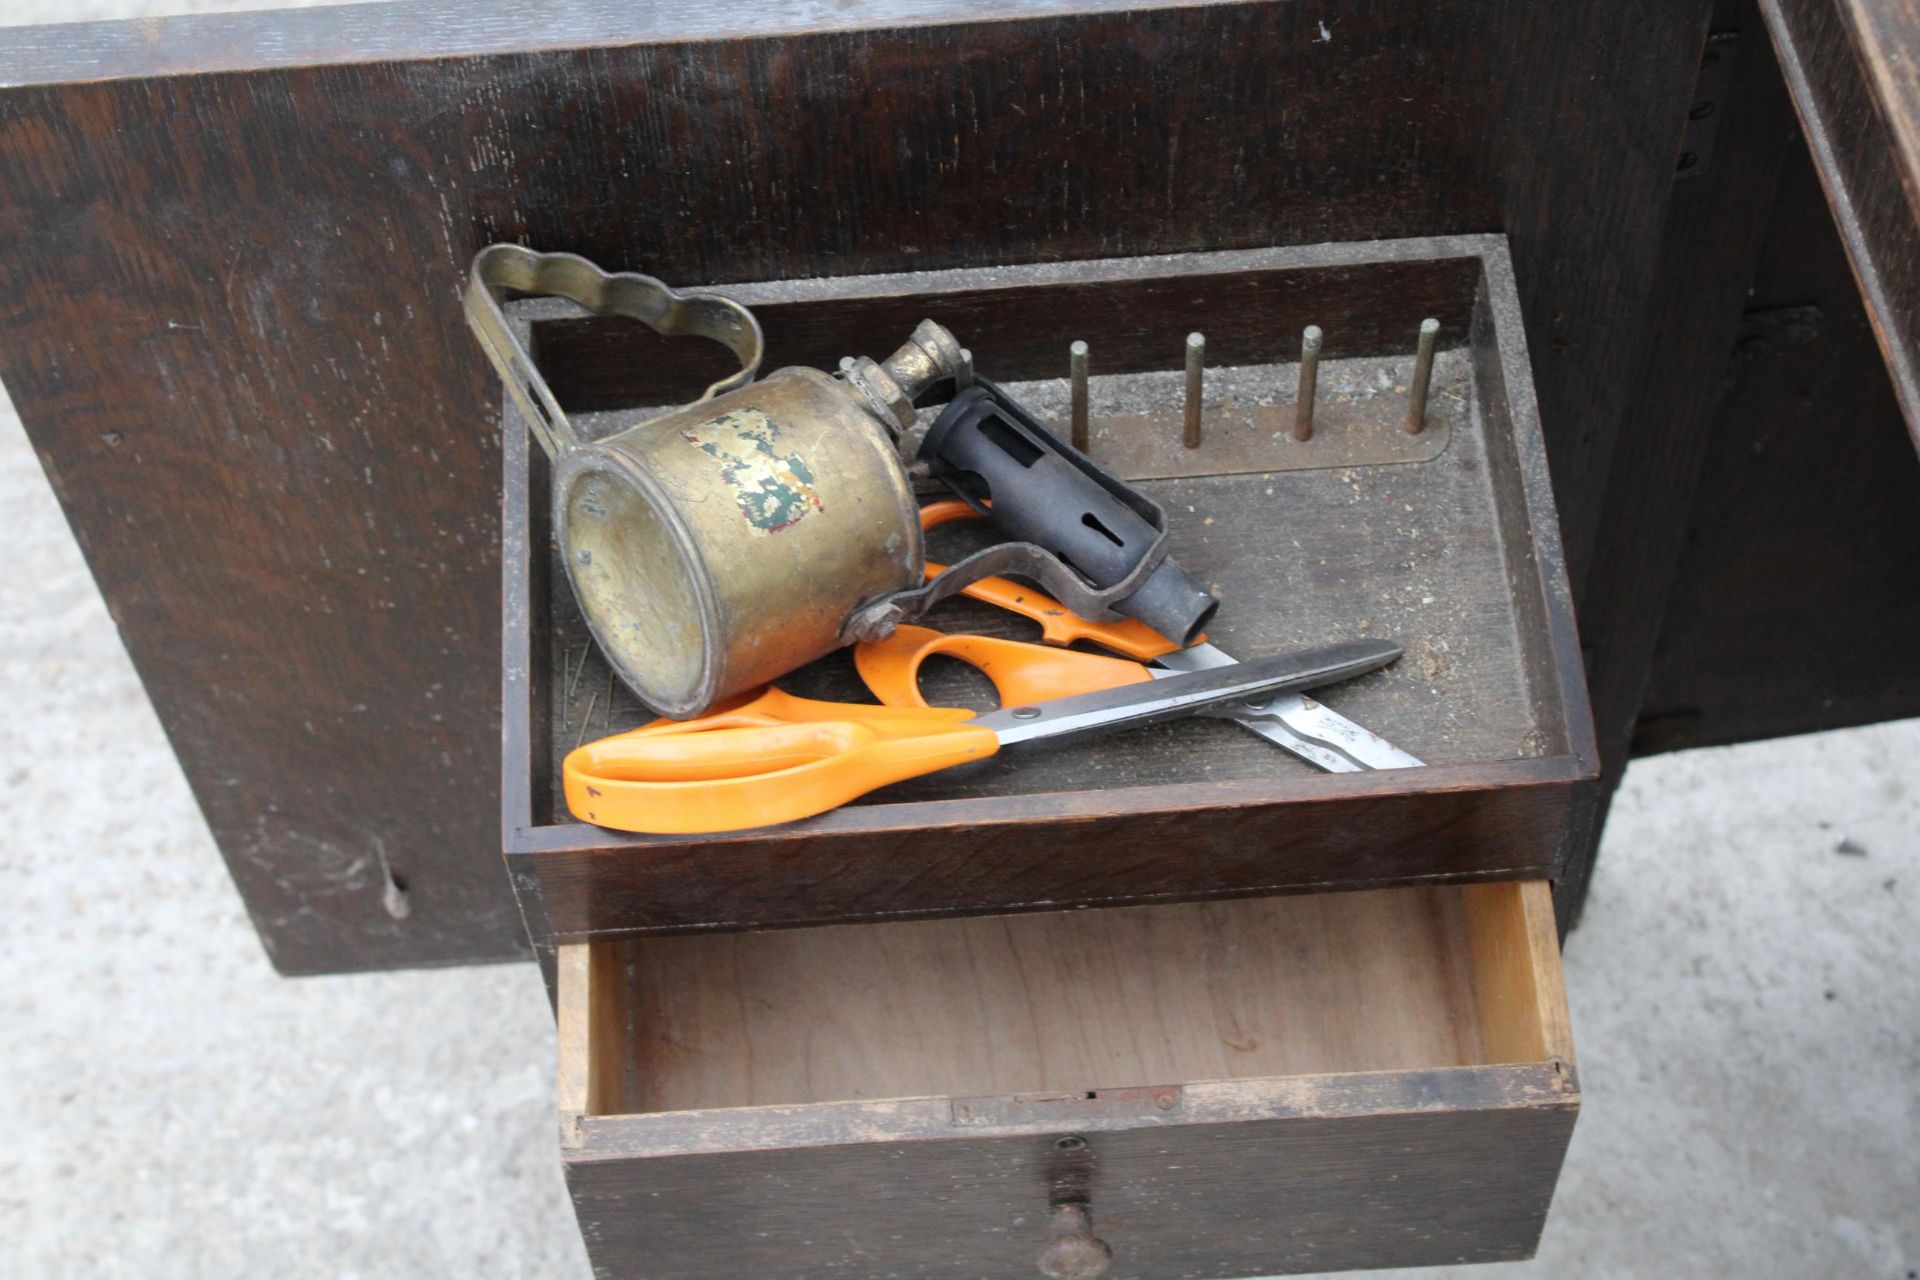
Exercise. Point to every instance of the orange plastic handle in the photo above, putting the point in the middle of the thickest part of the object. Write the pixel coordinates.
(1058, 624)
(1021, 672)
(774, 758)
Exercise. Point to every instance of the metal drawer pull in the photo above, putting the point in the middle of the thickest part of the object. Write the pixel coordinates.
(1072, 1251)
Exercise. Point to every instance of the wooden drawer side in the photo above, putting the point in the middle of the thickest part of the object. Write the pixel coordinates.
(1519, 984)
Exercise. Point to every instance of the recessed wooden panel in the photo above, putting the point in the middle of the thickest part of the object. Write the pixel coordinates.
(1795, 598)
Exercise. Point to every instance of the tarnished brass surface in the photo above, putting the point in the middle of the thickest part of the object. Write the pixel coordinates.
(723, 544)
(726, 542)
(500, 267)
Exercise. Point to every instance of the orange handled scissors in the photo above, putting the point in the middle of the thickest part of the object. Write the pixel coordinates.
(1316, 733)
(775, 758)
(1020, 672)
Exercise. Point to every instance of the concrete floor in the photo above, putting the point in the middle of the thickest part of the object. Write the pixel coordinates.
(1745, 1002)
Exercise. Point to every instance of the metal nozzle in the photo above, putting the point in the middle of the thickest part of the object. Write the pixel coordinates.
(932, 353)
(891, 386)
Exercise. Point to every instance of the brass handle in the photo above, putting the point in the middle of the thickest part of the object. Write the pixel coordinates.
(500, 267)
(1072, 1251)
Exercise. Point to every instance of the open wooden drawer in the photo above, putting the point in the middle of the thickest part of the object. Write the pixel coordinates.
(1234, 1088)
(1450, 549)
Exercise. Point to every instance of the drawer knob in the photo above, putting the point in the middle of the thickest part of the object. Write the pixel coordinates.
(1073, 1252)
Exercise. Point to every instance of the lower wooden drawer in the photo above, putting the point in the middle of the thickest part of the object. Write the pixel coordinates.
(1233, 1088)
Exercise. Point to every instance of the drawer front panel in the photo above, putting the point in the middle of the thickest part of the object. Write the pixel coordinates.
(1370, 836)
(1410, 1169)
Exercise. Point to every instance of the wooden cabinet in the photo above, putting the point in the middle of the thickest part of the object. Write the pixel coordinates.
(280, 453)
(824, 1048)
(1254, 1087)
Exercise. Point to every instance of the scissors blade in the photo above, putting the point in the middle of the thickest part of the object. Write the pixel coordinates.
(1063, 720)
(1316, 733)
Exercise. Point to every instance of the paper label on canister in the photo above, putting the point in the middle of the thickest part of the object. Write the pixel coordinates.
(773, 488)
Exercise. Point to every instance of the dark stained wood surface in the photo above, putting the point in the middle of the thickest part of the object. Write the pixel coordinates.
(1422, 1168)
(295, 39)
(228, 303)
(1252, 305)
(1585, 169)
(1455, 558)
(1709, 253)
(1853, 67)
(1886, 34)
(1794, 602)
(882, 861)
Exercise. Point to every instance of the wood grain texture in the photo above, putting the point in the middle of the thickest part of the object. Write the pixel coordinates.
(1782, 625)
(1457, 558)
(1090, 1000)
(230, 250)
(1519, 990)
(1437, 1153)
(575, 988)
(1067, 1002)
(1851, 68)
(1585, 170)
(1887, 35)
(434, 29)
(1710, 250)
(1189, 842)
(1440, 1172)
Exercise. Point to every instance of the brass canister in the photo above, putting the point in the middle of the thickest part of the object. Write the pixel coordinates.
(724, 544)
(727, 542)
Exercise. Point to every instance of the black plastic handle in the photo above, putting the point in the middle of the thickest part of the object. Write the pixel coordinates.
(988, 449)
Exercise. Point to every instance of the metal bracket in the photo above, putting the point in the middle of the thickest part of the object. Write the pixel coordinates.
(876, 619)
(500, 268)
